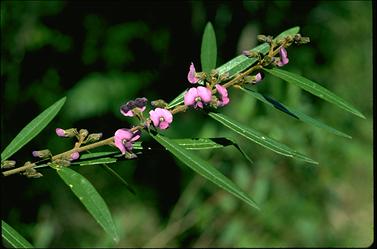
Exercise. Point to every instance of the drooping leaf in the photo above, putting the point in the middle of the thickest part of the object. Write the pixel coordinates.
(203, 168)
(208, 54)
(258, 137)
(32, 129)
(91, 199)
(292, 112)
(12, 237)
(314, 89)
(239, 63)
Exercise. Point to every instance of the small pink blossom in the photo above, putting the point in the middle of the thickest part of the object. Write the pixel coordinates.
(283, 57)
(60, 132)
(191, 75)
(128, 108)
(197, 97)
(124, 139)
(161, 118)
(223, 95)
(74, 156)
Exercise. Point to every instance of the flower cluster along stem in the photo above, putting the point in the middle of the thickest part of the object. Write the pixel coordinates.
(161, 117)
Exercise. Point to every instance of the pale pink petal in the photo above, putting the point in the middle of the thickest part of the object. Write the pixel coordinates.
(119, 144)
(205, 94)
(155, 117)
(221, 90)
(283, 56)
(167, 116)
(199, 104)
(190, 96)
(128, 113)
(191, 74)
(124, 134)
(164, 125)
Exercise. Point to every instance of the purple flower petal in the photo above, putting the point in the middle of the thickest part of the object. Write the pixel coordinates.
(283, 57)
(191, 75)
(204, 93)
(189, 98)
(161, 118)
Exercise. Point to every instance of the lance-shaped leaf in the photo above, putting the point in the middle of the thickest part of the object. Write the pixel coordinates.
(258, 137)
(32, 129)
(208, 54)
(91, 199)
(239, 63)
(195, 144)
(12, 237)
(314, 89)
(292, 112)
(203, 168)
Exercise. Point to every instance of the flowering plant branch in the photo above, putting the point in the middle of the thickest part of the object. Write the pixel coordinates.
(208, 92)
(161, 118)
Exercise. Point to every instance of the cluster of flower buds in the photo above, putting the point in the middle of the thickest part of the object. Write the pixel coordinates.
(134, 107)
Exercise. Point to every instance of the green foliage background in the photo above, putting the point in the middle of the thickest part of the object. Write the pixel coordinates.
(102, 54)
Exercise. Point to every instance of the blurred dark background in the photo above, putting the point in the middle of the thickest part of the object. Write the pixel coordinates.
(101, 54)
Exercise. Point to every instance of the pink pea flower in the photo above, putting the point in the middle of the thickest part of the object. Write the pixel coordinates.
(161, 118)
(223, 95)
(283, 57)
(191, 75)
(128, 108)
(60, 132)
(74, 156)
(124, 139)
(197, 97)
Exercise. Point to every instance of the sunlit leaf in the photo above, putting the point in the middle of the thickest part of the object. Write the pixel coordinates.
(32, 129)
(91, 199)
(292, 112)
(12, 237)
(208, 54)
(258, 137)
(203, 168)
(314, 89)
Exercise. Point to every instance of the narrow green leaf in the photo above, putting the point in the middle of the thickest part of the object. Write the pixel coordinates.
(177, 101)
(112, 172)
(239, 63)
(258, 137)
(208, 54)
(32, 129)
(314, 89)
(91, 199)
(292, 112)
(195, 144)
(12, 237)
(203, 168)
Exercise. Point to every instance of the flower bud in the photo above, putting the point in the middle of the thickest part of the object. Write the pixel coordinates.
(159, 103)
(32, 173)
(7, 164)
(74, 156)
(41, 153)
(261, 38)
(83, 133)
(66, 133)
(94, 137)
